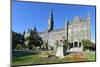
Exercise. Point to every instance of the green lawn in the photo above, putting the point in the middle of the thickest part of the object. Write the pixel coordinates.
(91, 56)
(35, 59)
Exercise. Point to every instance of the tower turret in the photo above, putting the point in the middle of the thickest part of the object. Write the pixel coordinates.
(88, 18)
(50, 22)
(88, 24)
(66, 29)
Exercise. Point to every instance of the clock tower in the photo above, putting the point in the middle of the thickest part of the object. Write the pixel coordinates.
(50, 22)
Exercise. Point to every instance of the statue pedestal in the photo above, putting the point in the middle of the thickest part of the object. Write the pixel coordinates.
(59, 52)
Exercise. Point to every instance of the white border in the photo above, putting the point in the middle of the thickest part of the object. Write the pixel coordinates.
(89, 2)
(5, 33)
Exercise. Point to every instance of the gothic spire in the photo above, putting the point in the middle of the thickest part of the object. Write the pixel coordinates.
(50, 21)
(35, 28)
(66, 22)
(88, 16)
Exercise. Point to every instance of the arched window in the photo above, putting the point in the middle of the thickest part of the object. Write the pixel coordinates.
(79, 44)
(71, 45)
(76, 44)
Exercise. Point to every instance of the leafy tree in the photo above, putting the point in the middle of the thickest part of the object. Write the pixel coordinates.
(34, 39)
(16, 39)
(87, 44)
(23, 40)
(66, 43)
(18, 46)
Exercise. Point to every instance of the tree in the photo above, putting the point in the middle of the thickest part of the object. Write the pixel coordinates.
(66, 43)
(87, 44)
(34, 39)
(16, 39)
(23, 40)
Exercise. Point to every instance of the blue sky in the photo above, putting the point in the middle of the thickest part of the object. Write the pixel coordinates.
(26, 15)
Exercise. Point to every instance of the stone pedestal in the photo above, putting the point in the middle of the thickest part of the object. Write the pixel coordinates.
(59, 52)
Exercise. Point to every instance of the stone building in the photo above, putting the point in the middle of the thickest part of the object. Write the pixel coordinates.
(74, 31)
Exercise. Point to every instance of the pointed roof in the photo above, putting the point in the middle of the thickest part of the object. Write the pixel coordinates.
(88, 16)
(77, 18)
(35, 29)
(51, 13)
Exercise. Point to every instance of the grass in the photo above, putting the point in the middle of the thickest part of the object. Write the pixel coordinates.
(35, 59)
(90, 56)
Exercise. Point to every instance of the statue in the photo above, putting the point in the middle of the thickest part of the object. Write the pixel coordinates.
(59, 51)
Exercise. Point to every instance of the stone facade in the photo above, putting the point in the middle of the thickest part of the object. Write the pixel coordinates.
(74, 31)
